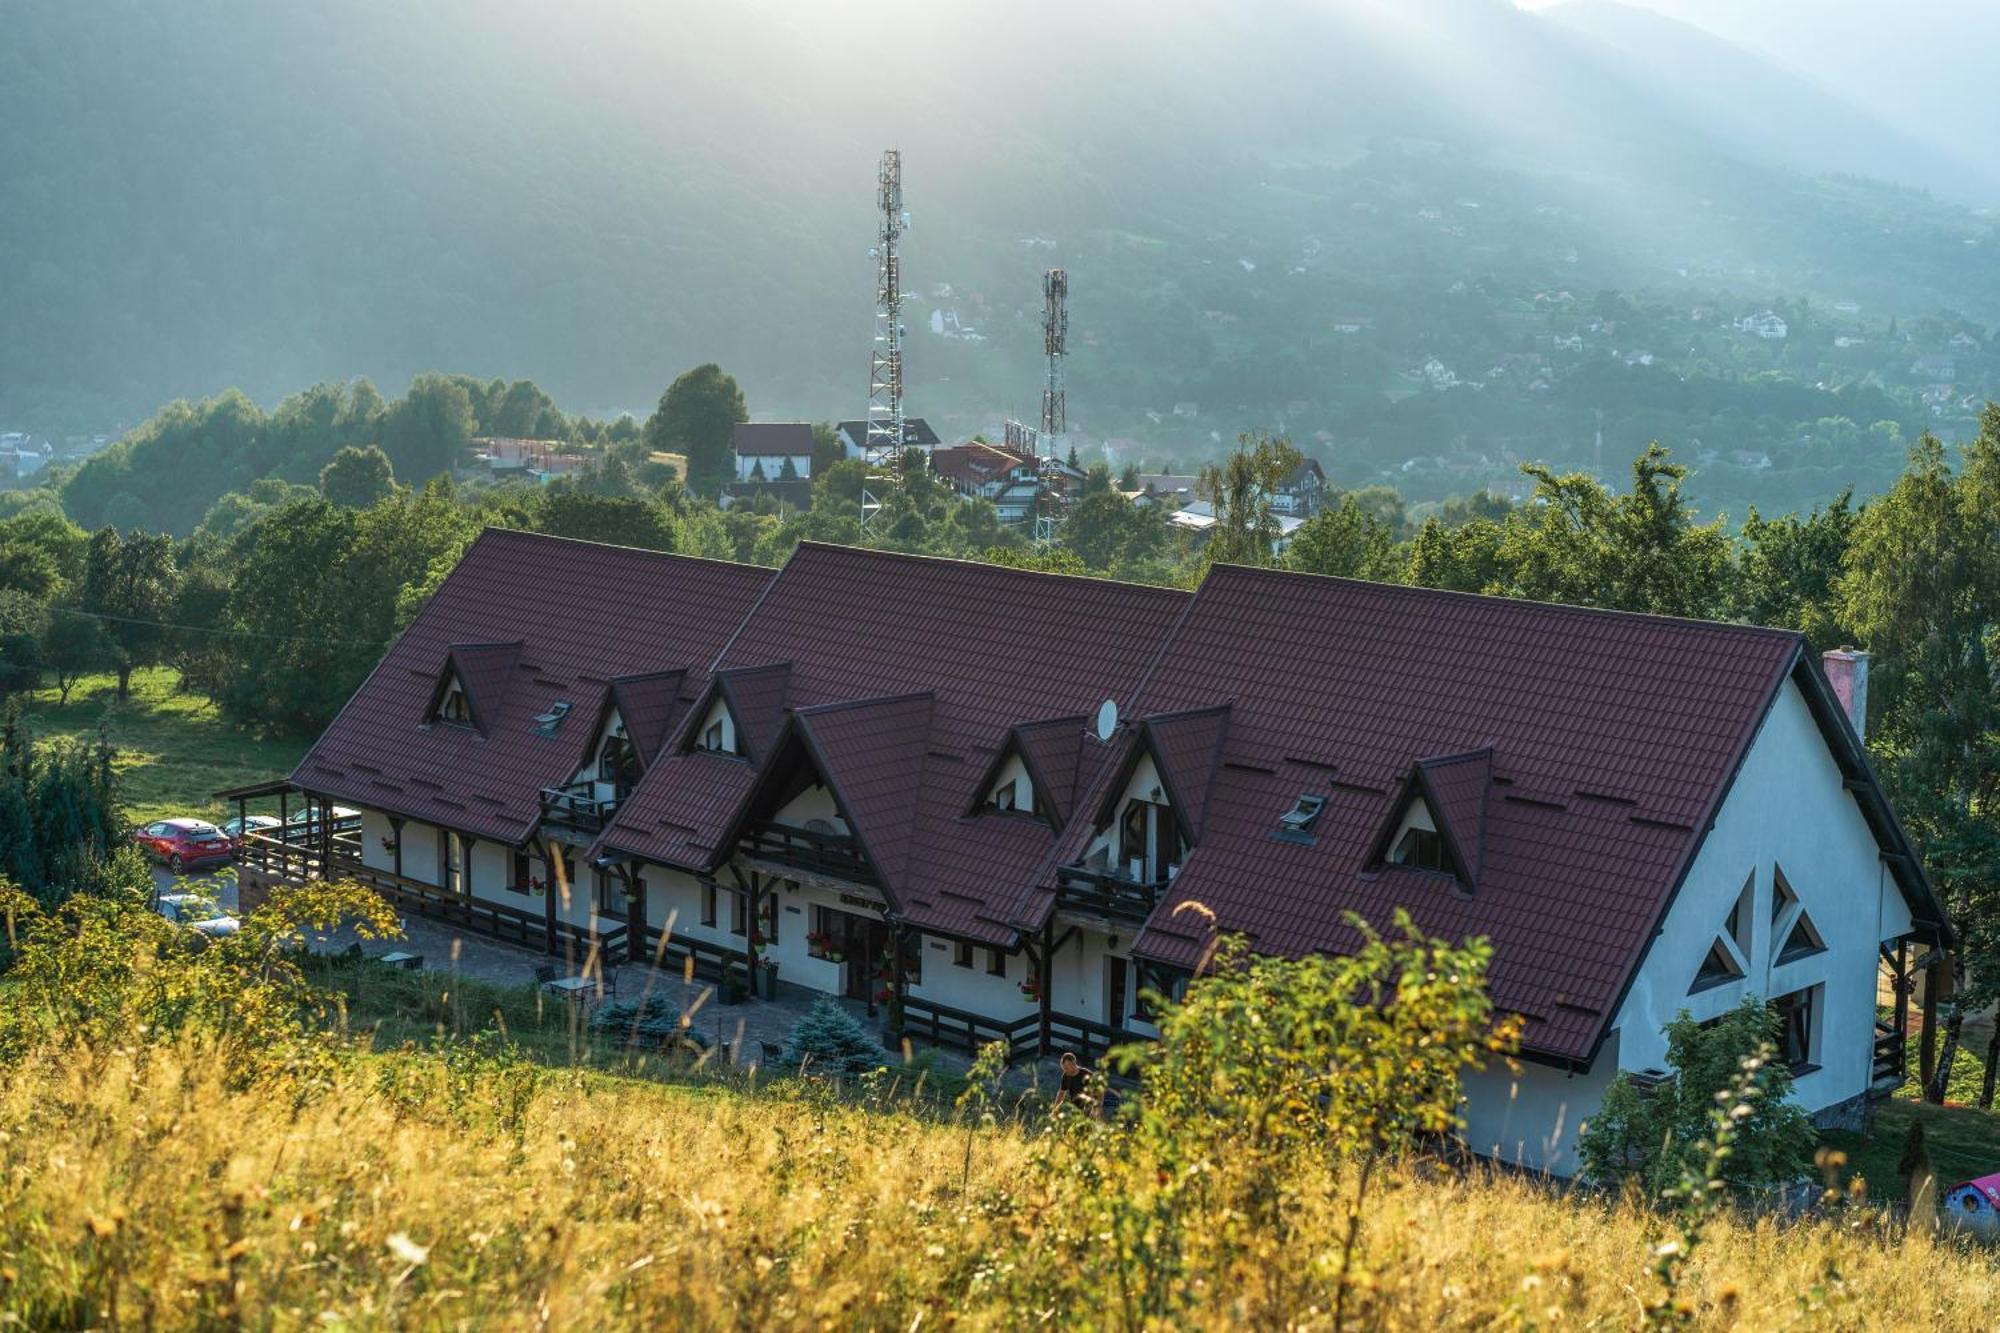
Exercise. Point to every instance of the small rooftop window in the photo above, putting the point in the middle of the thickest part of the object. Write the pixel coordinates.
(1296, 824)
(546, 723)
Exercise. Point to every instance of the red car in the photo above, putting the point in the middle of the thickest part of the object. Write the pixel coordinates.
(184, 844)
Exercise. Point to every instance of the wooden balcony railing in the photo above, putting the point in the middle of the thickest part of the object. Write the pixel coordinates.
(835, 855)
(946, 1026)
(578, 806)
(1107, 893)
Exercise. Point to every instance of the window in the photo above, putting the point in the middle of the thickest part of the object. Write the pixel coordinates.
(618, 762)
(738, 911)
(607, 894)
(996, 963)
(1422, 848)
(712, 740)
(455, 708)
(1803, 941)
(1004, 797)
(1782, 896)
(1717, 968)
(1132, 834)
(961, 954)
(913, 960)
(1798, 1028)
(1740, 915)
(1297, 822)
(451, 876)
(708, 904)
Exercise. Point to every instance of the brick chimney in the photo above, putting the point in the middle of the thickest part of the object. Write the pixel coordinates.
(1847, 671)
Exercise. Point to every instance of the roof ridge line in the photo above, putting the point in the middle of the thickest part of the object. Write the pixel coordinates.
(1453, 594)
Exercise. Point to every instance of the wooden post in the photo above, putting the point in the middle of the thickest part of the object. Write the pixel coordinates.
(635, 913)
(752, 891)
(396, 845)
(1045, 979)
(1933, 983)
(548, 906)
(899, 973)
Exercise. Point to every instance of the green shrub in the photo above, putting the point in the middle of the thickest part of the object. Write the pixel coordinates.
(1654, 1134)
(650, 1023)
(831, 1040)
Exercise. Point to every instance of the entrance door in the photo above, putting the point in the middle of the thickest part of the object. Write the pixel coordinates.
(1114, 1000)
(862, 941)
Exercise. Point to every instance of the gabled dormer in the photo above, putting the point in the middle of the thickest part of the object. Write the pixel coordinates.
(1034, 771)
(837, 795)
(1150, 817)
(472, 684)
(1438, 821)
(741, 713)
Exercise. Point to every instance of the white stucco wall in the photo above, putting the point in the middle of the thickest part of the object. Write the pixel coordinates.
(1014, 773)
(1788, 808)
(1531, 1118)
(719, 712)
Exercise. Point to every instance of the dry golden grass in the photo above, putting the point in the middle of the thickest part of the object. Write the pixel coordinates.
(137, 1191)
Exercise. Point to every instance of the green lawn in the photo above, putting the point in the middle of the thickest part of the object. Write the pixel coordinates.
(1963, 1142)
(174, 750)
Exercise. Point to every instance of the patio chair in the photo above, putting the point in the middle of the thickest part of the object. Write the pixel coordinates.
(773, 1052)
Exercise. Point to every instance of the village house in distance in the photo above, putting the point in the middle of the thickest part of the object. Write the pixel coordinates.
(979, 796)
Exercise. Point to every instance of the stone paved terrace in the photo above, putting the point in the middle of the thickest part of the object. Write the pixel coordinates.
(744, 1026)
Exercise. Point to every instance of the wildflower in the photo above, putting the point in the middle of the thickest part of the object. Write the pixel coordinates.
(407, 1250)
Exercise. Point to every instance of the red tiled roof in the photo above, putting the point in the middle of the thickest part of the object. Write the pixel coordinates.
(1186, 747)
(1611, 737)
(871, 753)
(994, 648)
(570, 616)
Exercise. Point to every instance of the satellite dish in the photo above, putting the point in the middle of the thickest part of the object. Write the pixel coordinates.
(1107, 719)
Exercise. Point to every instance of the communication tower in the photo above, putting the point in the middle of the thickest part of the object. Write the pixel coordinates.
(882, 451)
(1055, 343)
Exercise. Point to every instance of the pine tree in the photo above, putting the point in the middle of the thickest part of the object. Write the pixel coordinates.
(831, 1040)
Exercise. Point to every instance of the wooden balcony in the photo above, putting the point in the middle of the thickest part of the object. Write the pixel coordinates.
(1107, 893)
(832, 855)
(578, 808)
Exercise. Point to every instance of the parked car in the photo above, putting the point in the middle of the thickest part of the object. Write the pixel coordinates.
(343, 819)
(183, 844)
(234, 829)
(198, 913)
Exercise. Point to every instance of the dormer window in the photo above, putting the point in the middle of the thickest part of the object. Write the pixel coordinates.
(1004, 797)
(718, 731)
(455, 707)
(1421, 849)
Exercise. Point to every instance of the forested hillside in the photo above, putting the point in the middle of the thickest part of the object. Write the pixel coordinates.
(1444, 235)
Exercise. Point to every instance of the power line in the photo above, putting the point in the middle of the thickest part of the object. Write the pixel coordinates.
(217, 630)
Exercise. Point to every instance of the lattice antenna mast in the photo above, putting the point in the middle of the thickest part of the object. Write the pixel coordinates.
(1055, 342)
(882, 452)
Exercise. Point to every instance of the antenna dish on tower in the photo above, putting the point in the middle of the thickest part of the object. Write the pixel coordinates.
(1107, 719)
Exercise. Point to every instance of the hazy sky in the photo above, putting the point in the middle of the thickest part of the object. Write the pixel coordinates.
(1921, 64)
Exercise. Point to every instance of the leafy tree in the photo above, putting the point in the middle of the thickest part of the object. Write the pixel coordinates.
(826, 447)
(1654, 1134)
(357, 477)
(1463, 557)
(1791, 569)
(830, 1040)
(1640, 551)
(1241, 488)
(202, 647)
(128, 584)
(1923, 589)
(697, 417)
(1346, 539)
(425, 431)
(522, 410)
(21, 662)
(567, 510)
(73, 646)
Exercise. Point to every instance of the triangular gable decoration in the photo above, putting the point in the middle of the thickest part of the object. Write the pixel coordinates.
(1187, 749)
(1049, 751)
